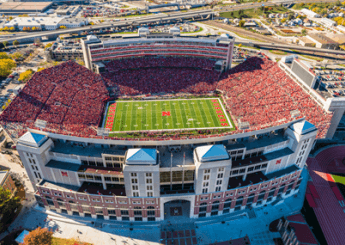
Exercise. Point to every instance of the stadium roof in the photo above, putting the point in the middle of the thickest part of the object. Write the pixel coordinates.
(303, 127)
(212, 153)
(141, 156)
(32, 139)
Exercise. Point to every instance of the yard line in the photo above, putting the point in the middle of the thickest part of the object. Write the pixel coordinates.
(214, 118)
(191, 114)
(180, 113)
(202, 115)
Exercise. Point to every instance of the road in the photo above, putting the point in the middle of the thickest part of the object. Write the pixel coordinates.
(126, 22)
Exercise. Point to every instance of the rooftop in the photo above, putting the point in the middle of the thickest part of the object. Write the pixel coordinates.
(90, 150)
(3, 175)
(20, 6)
(322, 38)
(59, 186)
(97, 189)
(99, 170)
(63, 165)
(251, 179)
(177, 158)
(210, 153)
(282, 172)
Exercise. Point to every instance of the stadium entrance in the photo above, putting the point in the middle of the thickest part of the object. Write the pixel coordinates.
(177, 210)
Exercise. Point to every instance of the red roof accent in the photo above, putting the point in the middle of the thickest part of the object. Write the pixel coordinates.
(310, 200)
(303, 233)
(313, 190)
(337, 193)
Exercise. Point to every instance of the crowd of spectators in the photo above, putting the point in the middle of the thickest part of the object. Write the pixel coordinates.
(71, 98)
(259, 92)
(150, 62)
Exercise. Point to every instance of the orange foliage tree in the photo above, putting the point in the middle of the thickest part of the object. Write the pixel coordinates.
(39, 236)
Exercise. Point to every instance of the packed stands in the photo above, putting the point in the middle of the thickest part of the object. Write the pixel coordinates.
(259, 92)
(329, 212)
(71, 98)
(68, 97)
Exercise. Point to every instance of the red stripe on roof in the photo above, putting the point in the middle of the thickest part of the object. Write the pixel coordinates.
(329, 178)
(337, 193)
(310, 200)
(313, 190)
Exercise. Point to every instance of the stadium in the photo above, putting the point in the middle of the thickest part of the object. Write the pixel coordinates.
(160, 127)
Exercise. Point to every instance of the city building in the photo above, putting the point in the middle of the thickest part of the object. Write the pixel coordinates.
(6, 182)
(19, 8)
(341, 28)
(45, 23)
(328, 22)
(304, 41)
(310, 14)
(68, 10)
(338, 38)
(322, 41)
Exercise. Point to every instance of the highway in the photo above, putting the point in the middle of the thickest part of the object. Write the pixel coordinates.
(121, 23)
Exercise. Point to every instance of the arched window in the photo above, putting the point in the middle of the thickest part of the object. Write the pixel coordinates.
(137, 211)
(215, 205)
(250, 198)
(151, 211)
(227, 203)
(261, 195)
(203, 207)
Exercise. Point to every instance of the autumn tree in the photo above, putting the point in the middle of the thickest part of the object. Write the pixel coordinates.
(8, 205)
(25, 76)
(5, 43)
(15, 43)
(6, 66)
(39, 236)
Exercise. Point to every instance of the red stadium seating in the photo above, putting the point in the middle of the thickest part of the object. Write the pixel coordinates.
(71, 98)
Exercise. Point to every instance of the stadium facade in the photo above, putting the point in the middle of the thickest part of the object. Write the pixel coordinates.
(78, 169)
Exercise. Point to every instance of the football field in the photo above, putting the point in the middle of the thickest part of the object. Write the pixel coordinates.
(180, 114)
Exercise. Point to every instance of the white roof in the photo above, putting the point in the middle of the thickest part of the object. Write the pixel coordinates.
(303, 127)
(20, 238)
(141, 156)
(212, 153)
(32, 139)
(34, 21)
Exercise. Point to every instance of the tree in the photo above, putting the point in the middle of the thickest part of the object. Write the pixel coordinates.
(40, 69)
(25, 76)
(16, 55)
(48, 45)
(6, 65)
(304, 32)
(39, 236)
(4, 55)
(15, 43)
(5, 43)
(290, 16)
(8, 206)
(241, 23)
(283, 20)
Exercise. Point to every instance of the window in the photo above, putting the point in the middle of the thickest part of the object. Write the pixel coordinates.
(151, 211)
(33, 161)
(135, 194)
(35, 175)
(203, 207)
(219, 182)
(137, 211)
(257, 167)
(250, 169)
(149, 187)
(109, 165)
(218, 188)
(33, 167)
(242, 170)
(148, 181)
(98, 178)
(205, 184)
(148, 174)
(109, 201)
(264, 165)
(150, 194)
(135, 187)
(111, 212)
(220, 169)
(220, 176)
(204, 190)
(207, 171)
(115, 179)
(107, 178)
(134, 181)
(133, 174)
(206, 177)
(234, 172)
(124, 212)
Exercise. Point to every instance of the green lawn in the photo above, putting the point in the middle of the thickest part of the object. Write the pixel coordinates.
(253, 13)
(179, 114)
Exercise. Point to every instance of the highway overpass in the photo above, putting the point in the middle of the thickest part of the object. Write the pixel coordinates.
(201, 14)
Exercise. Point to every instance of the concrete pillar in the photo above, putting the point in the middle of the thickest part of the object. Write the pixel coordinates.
(81, 214)
(106, 217)
(70, 212)
(94, 216)
(145, 219)
(103, 182)
(131, 218)
(338, 114)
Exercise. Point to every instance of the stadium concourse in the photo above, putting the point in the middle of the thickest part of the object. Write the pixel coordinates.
(71, 98)
(325, 197)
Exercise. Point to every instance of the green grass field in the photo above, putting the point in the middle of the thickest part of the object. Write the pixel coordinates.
(177, 114)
